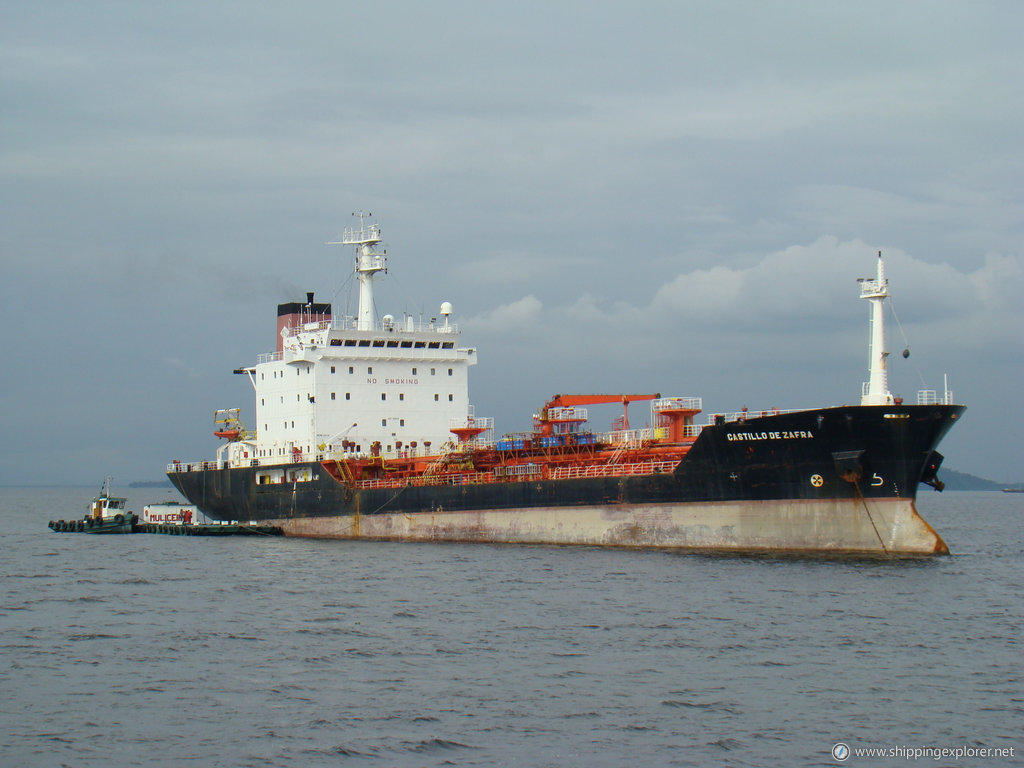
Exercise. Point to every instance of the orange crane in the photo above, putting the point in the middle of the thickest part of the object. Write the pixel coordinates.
(568, 401)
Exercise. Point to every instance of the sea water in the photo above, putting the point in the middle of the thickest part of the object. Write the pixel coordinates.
(238, 651)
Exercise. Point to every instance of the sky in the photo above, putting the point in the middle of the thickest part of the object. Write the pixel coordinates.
(672, 197)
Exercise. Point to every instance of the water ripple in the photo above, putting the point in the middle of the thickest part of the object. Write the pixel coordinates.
(282, 652)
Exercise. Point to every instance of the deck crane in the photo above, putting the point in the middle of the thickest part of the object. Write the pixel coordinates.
(569, 401)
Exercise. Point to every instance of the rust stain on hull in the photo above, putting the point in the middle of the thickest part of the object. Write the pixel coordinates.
(885, 527)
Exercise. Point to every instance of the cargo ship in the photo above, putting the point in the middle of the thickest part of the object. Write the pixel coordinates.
(364, 430)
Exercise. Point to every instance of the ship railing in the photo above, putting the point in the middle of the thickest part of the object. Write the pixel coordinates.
(377, 352)
(631, 438)
(460, 478)
(529, 472)
(519, 470)
(614, 470)
(570, 413)
(747, 414)
(689, 430)
(931, 397)
(196, 466)
(471, 422)
(677, 403)
(408, 324)
(515, 471)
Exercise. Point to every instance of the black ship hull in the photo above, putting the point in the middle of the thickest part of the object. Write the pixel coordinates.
(831, 480)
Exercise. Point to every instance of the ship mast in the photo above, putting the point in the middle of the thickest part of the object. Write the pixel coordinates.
(876, 390)
(368, 264)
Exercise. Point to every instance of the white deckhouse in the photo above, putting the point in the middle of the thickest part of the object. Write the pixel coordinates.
(340, 386)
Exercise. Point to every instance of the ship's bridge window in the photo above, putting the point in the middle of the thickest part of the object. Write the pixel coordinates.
(335, 342)
(392, 343)
(435, 345)
(378, 342)
(364, 342)
(448, 345)
(350, 342)
(406, 345)
(421, 344)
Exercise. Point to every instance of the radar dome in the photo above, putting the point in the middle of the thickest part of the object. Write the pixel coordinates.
(446, 308)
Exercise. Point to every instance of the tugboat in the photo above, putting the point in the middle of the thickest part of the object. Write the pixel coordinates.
(106, 514)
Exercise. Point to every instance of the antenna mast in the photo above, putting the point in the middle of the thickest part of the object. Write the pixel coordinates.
(368, 263)
(876, 390)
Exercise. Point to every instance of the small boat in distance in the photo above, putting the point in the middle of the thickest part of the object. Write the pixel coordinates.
(107, 514)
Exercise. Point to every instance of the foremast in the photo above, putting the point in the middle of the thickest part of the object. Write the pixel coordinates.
(876, 389)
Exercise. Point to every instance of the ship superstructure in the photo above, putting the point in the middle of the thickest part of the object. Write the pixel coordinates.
(364, 430)
(344, 386)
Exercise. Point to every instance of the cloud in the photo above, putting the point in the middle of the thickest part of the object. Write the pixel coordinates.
(796, 299)
(510, 267)
(519, 317)
(668, 198)
(999, 284)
